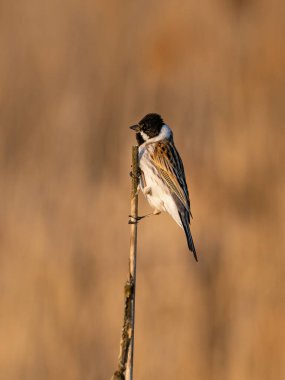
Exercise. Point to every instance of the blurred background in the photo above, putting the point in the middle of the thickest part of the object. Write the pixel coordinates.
(74, 75)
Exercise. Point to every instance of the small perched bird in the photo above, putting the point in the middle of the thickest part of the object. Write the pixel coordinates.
(162, 178)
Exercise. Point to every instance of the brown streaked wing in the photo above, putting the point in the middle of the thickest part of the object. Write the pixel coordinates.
(168, 162)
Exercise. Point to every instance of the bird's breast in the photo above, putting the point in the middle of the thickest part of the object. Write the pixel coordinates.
(158, 191)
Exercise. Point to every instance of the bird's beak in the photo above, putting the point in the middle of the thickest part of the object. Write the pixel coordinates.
(135, 127)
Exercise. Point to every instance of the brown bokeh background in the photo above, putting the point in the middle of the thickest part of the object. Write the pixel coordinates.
(74, 75)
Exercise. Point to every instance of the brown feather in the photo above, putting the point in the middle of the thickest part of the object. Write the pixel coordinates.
(168, 162)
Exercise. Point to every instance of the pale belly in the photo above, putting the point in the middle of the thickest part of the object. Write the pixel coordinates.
(155, 190)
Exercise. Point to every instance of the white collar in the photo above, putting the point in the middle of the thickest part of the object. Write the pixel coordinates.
(165, 133)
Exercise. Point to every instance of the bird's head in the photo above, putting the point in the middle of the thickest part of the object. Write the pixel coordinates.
(148, 128)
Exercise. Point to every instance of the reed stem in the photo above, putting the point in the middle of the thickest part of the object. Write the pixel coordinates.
(126, 356)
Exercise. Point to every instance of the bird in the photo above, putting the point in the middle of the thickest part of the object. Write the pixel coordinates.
(162, 178)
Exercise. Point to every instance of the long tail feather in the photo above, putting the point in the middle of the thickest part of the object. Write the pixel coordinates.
(187, 231)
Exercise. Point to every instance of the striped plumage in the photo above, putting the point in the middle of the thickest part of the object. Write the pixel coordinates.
(163, 179)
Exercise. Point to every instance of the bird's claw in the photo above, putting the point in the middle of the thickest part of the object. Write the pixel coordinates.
(135, 219)
(137, 175)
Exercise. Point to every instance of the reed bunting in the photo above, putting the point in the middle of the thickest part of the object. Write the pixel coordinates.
(162, 178)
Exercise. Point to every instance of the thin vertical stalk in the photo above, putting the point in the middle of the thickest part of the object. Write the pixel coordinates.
(126, 356)
(133, 257)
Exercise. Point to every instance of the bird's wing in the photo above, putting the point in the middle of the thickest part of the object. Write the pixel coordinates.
(169, 165)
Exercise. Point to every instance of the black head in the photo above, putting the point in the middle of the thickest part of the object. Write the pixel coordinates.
(151, 124)
(149, 127)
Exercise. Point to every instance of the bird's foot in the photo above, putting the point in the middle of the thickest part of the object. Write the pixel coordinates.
(136, 219)
(137, 175)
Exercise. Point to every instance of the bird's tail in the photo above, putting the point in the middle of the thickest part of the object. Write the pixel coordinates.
(187, 231)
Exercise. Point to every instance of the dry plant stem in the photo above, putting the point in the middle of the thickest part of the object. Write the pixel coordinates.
(125, 361)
